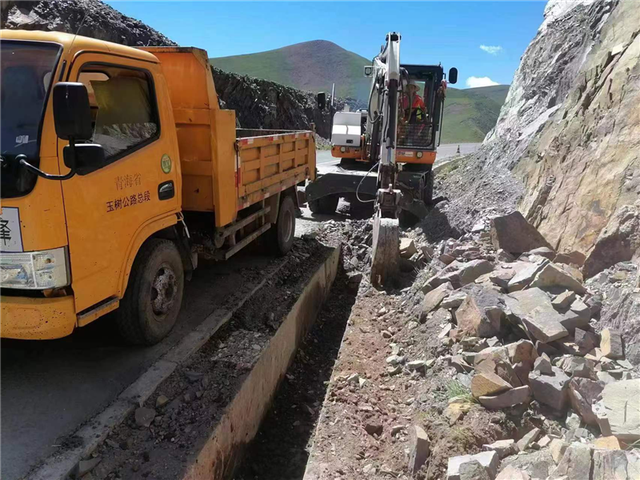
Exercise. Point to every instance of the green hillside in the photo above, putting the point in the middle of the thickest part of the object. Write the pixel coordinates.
(311, 66)
(469, 114)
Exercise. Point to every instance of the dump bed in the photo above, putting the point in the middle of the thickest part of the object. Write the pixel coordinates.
(223, 169)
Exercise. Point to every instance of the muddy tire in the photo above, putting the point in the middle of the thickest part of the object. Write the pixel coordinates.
(325, 205)
(151, 303)
(283, 232)
(428, 190)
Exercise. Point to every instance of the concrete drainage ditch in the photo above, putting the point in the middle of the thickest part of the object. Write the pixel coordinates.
(192, 413)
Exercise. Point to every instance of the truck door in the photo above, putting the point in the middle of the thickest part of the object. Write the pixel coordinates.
(111, 205)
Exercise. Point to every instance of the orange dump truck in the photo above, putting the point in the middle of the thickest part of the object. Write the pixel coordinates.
(118, 168)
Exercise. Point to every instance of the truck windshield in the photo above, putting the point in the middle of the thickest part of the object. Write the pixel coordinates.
(26, 76)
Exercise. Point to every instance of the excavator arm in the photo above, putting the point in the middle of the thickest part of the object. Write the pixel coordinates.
(386, 86)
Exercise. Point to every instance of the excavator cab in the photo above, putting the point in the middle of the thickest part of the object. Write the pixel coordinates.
(421, 100)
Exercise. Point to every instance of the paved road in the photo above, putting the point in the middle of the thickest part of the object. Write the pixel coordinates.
(50, 387)
(444, 151)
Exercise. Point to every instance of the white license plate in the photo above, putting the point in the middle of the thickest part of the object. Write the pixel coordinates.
(10, 232)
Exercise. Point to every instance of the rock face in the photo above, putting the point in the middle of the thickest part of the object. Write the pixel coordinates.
(258, 103)
(564, 149)
(269, 105)
(102, 21)
(579, 184)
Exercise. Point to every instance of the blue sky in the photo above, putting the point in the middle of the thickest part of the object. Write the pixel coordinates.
(483, 39)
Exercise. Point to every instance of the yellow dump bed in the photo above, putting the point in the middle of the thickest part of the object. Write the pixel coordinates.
(225, 170)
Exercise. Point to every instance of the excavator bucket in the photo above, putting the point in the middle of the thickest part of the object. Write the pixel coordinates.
(386, 250)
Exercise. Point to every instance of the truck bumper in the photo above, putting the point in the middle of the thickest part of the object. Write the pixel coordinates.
(37, 318)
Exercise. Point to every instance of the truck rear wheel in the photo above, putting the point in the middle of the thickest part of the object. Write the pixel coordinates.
(325, 205)
(284, 230)
(151, 304)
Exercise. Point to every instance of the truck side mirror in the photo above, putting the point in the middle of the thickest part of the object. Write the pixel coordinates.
(322, 100)
(71, 111)
(84, 157)
(453, 75)
(368, 71)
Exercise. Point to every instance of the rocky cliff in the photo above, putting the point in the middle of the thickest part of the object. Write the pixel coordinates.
(90, 18)
(566, 148)
(265, 104)
(258, 103)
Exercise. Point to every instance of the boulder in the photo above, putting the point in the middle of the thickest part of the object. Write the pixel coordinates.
(575, 463)
(622, 405)
(501, 276)
(453, 300)
(577, 367)
(542, 365)
(504, 256)
(419, 445)
(585, 340)
(512, 473)
(144, 416)
(609, 465)
(512, 397)
(521, 351)
(552, 277)
(473, 470)
(488, 384)
(407, 248)
(446, 258)
(489, 460)
(607, 443)
(557, 448)
(503, 448)
(491, 353)
(562, 301)
(550, 389)
(611, 344)
(515, 235)
(571, 258)
(576, 316)
(619, 241)
(501, 368)
(546, 252)
(527, 439)
(544, 325)
(523, 302)
(470, 271)
(433, 299)
(481, 313)
(525, 275)
(582, 394)
(522, 370)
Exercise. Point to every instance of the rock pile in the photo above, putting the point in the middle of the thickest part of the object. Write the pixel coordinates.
(523, 326)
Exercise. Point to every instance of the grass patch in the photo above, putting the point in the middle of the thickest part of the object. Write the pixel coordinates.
(457, 389)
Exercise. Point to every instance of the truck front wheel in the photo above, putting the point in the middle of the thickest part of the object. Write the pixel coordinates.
(151, 304)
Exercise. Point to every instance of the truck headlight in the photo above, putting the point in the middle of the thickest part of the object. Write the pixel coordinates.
(39, 270)
(419, 154)
(343, 149)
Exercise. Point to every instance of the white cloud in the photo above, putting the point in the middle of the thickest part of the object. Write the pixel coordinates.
(475, 82)
(491, 50)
